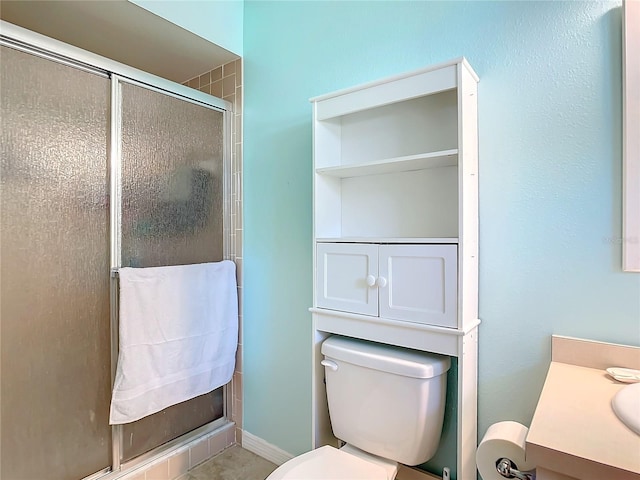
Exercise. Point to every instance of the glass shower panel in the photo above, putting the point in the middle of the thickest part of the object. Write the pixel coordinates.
(172, 214)
(54, 270)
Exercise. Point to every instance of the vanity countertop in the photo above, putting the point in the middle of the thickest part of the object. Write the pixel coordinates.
(574, 430)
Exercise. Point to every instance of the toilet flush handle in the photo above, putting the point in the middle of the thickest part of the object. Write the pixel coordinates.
(330, 364)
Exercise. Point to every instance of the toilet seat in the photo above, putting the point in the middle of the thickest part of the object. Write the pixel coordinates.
(329, 463)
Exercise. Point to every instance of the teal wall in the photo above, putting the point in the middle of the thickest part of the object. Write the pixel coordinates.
(219, 21)
(550, 183)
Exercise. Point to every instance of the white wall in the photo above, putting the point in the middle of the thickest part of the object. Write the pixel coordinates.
(550, 183)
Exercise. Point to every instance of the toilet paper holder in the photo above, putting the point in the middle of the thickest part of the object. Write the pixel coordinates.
(508, 469)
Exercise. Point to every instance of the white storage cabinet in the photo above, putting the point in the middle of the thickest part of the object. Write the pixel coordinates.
(413, 283)
(396, 226)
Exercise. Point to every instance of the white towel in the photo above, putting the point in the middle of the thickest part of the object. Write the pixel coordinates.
(178, 336)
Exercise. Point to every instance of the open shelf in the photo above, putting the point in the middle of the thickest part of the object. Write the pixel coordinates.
(444, 158)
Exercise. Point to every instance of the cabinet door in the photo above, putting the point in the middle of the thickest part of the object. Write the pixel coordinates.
(418, 283)
(345, 277)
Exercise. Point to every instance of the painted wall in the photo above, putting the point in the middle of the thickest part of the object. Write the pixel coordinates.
(219, 21)
(550, 182)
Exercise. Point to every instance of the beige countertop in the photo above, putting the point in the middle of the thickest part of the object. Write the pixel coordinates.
(574, 430)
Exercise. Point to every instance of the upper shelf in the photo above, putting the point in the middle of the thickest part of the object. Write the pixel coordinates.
(417, 83)
(444, 158)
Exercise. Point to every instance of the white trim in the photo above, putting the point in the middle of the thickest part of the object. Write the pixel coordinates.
(631, 140)
(264, 449)
(393, 78)
(384, 92)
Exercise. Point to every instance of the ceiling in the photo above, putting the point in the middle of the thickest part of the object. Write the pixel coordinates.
(121, 31)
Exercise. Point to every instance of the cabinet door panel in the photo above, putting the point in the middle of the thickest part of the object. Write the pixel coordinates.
(421, 283)
(341, 282)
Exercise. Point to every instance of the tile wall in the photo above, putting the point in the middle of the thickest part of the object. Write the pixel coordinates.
(177, 462)
(226, 82)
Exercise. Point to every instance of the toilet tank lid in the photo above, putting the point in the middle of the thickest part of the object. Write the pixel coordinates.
(385, 358)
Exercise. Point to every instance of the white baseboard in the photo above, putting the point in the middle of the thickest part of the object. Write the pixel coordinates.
(264, 449)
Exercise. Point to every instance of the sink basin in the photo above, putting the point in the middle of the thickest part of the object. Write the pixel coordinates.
(626, 405)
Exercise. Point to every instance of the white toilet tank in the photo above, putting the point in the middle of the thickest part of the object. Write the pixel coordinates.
(386, 400)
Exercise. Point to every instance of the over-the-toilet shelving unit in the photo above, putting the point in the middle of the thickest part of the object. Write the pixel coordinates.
(396, 226)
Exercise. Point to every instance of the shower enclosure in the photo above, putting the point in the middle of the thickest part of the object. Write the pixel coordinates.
(102, 166)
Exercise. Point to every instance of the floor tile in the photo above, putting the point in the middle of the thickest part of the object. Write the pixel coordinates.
(234, 463)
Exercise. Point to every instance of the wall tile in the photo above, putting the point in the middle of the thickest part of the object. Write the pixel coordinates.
(228, 85)
(229, 68)
(217, 444)
(238, 98)
(199, 453)
(216, 88)
(226, 82)
(237, 411)
(158, 472)
(231, 436)
(237, 384)
(239, 72)
(216, 74)
(205, 79)
(238, 236)
(140, 476)
(239, 368)
(238, 119)
(179, 464)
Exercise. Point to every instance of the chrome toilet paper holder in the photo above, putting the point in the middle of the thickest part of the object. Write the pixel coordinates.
(508, 469)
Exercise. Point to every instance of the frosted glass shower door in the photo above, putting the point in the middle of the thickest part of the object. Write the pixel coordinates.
(54, 270)
(172, 214)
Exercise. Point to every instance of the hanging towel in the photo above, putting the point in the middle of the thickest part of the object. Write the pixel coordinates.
(178, 336)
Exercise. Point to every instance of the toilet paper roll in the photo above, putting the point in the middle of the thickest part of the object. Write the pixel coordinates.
(502, 440)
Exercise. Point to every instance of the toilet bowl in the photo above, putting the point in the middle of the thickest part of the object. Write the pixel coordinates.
(385, 402)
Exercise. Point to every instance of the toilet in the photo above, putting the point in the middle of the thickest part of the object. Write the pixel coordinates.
(386, 403)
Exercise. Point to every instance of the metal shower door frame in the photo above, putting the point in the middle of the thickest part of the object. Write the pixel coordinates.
(115, 167)
(40, 45)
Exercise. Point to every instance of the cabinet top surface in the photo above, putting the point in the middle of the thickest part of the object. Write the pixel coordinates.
(393, 240)
(574, 420)
(458, 61)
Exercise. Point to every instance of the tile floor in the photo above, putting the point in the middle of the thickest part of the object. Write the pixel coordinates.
(235, 463)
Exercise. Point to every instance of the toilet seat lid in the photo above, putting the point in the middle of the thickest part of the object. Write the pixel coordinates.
(328, 463)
